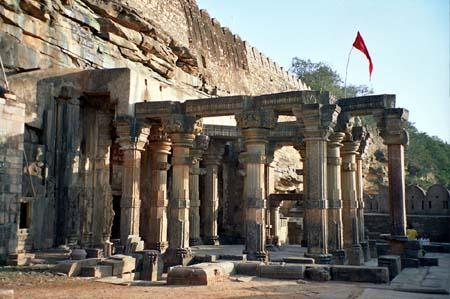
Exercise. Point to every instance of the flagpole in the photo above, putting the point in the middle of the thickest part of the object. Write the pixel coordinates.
(346, 70)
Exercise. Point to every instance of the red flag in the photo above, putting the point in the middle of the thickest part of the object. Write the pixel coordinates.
(361, 45)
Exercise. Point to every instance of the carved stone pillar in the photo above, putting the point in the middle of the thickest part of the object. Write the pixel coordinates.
(182, 130)
(210, 203)
(160, 147)
(275, 221)
(200, 145)
(132, 139)
(255, 127)
(361, 134)
(350, 203)
(335, 226)
(300, 146)
(317, 122)
(392, 130)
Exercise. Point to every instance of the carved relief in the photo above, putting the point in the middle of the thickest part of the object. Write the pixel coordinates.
(256, 119)
(180, 123)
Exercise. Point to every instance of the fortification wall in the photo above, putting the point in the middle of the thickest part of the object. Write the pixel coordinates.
(172, 42)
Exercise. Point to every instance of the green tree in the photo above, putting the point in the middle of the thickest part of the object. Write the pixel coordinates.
(427, 158)
(320, 76)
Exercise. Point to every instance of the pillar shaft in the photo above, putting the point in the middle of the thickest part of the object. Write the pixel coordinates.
(182, 130)
(360, 196)
(255, 127)
(349, 193)
(194, 210)
(253, 158)
(392, 129)
(179, 203)
(397, 206)
(160, 149)
(334, 161)
(132, 139)
(211, 202)
(200, 145)
(316, 122)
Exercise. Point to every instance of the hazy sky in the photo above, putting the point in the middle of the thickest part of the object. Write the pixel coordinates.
(407, 39)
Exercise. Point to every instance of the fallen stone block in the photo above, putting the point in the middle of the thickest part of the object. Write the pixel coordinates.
(129, 276)
(200, 274)
(228, 267)
(204, 259)
(94, 253)
(298, 260)
(428, 261)
(282, 271)
(78, 254)
(129, 262)
(230, 257)
(392, 262)
(120, 264)
(360, 274)
(410, 263)
(98, 271)
(318, 273)
(73, 268)
(248, 268)
(6, 294)
(152, 265)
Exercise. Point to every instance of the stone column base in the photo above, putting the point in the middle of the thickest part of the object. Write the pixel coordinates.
(366, 250)
(175, 257)
(214, 240)
(339, 257)
(397, 245)
(320, 258)
(355, 255)
(195, 241)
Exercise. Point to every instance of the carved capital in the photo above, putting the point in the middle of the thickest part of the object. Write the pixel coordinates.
(182, 124)
(350, 147)
(392, 126)
(132, 134)
(317, 121)
(256, 119)
(335, 139)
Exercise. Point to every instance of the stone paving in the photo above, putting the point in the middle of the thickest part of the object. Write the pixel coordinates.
(423, 282)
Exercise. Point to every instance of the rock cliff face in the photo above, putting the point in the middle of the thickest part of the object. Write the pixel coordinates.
(174, 42)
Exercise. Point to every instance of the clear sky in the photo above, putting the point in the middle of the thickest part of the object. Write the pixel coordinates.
(407, 39)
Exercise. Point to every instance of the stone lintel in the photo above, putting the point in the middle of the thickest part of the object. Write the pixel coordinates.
(256, 119)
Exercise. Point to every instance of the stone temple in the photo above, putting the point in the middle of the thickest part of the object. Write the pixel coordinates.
(144, 128)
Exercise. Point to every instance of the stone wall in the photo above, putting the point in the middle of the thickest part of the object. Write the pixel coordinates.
(12, 115)
(173, 42)
(434, 227)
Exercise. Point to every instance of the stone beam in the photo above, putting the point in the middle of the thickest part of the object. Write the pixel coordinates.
(367, 104)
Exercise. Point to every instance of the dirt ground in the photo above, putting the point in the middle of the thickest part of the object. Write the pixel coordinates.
(46, 285)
